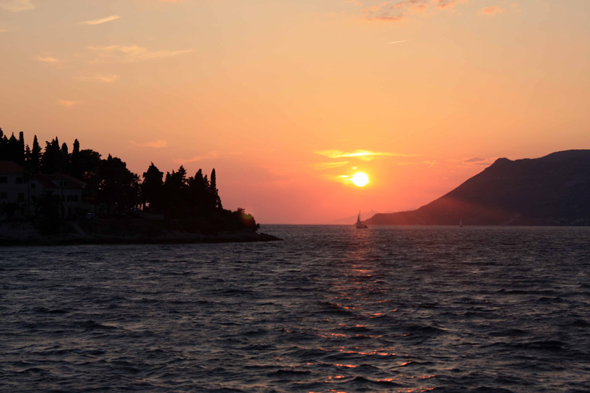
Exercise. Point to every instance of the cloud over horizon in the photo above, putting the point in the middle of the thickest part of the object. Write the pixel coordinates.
(328, 165)
(365, 155)
(479, 161)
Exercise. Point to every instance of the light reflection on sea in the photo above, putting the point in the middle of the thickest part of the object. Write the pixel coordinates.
(330, 309)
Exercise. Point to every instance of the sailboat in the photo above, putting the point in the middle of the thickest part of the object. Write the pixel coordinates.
(359, 224)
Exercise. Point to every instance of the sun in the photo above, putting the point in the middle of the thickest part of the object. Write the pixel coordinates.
(360, 179)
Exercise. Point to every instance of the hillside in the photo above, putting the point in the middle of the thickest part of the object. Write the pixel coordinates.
(552, 190)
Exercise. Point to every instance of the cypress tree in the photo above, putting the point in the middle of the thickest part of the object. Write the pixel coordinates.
(64, 158)
(76, 147)
(214, 192)
(35, 155)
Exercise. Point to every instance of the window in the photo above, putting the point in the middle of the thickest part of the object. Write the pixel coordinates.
(3, 179)
(64, 183)
(33, 185)
(3, 195)
(19, 180)
(75, 198)
(69, 198)
(21, 196)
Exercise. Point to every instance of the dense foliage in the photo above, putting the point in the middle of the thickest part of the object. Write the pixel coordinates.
(111, 185)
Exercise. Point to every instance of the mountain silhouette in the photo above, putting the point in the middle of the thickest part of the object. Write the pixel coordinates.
(552, 190)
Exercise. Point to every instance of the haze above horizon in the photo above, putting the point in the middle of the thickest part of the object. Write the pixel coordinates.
(289, 100)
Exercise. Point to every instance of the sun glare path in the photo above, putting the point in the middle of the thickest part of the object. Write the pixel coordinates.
(360, 179)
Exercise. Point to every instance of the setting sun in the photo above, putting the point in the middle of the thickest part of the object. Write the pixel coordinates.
(360, 179)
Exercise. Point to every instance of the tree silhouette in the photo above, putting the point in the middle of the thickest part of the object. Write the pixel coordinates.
(35, 157)
(152, 189)
(216, 201)
(48, 210)
(109, 184)
(118, 187)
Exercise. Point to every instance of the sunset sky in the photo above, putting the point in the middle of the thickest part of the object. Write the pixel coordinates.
(287, 99)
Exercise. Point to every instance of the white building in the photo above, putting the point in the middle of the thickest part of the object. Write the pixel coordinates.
(17, 193)
(69, 189)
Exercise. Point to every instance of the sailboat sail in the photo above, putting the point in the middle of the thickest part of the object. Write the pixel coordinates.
(359, 224)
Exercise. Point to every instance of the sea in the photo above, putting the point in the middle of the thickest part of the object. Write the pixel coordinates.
(328, 309)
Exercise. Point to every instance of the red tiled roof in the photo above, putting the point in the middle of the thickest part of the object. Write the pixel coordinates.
(10, 167)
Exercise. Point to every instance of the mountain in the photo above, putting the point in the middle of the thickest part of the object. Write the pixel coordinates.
(552, 190)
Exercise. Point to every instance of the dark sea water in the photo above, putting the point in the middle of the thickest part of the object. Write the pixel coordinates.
(330, 309)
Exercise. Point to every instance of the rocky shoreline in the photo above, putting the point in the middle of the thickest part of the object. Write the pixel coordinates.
(118, 232)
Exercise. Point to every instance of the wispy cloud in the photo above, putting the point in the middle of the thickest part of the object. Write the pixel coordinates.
(364, 155)
(207, 156)
(108, 78)
(102, 20)
(16, 5)
(157, 144)
(396, 11)
(132, 53)
(447, 4)
(479, 161)
(396, 42)
(329, 165)
(46, 59)
(68, 103)
(490, 11)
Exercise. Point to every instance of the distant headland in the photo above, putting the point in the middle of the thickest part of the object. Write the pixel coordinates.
(57, 196)
(552, 190)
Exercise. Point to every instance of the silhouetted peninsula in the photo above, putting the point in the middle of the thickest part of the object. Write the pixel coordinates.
(552, 190)
(58, 196)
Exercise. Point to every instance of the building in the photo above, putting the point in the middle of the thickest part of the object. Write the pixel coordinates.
(69, 189)
(18, 191)
(13, 190)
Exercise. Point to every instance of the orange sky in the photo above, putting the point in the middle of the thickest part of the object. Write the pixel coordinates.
(274, 94)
